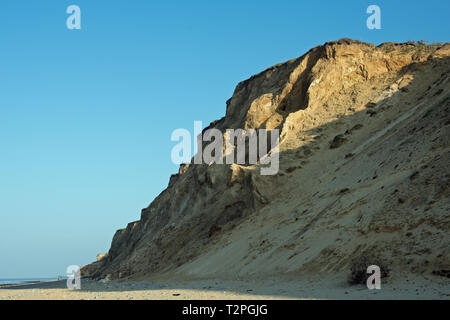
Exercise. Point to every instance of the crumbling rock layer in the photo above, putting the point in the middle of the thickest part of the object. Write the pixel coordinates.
(364, 174)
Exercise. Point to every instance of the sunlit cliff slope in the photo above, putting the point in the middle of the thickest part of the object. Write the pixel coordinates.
(364, 175)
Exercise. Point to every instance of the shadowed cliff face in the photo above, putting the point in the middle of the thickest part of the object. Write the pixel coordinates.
(364, 173)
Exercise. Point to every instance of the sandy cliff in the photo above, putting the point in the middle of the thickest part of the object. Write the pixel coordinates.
(364, 175)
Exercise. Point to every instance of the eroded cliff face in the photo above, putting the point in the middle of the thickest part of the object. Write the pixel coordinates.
(364, 173)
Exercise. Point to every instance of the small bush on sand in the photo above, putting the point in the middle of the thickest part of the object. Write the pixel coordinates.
(359, 273)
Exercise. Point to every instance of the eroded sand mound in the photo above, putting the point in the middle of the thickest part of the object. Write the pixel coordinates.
(364, 175)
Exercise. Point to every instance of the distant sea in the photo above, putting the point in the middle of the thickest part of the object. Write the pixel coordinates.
(24, 280)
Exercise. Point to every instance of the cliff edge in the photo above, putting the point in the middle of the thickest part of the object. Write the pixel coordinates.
(364, 175)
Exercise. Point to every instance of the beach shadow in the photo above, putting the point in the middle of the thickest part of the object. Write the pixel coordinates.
(51, 284)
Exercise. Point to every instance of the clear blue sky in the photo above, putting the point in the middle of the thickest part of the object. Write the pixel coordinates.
(86, 115)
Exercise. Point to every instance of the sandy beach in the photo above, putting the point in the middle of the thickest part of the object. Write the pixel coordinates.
(406, 287)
